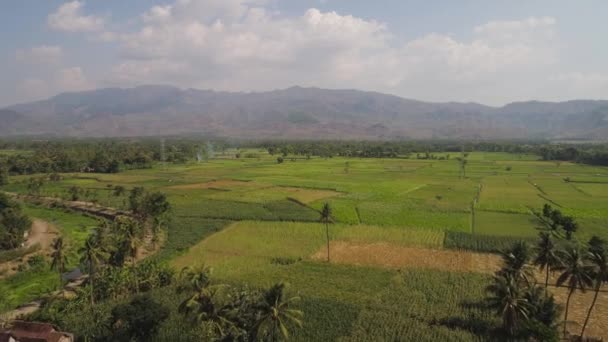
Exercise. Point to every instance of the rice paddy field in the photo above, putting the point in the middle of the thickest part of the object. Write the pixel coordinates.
(412, 242)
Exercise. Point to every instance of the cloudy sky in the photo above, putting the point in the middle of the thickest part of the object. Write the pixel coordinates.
(491, 52)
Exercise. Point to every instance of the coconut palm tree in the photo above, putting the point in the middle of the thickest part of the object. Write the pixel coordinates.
(59, 259)
(276, 313)
(93, 254)
(196, 281)
(326, 219)
(130, 234)
(508, 301)
(599, 261)
(515, 263)
(204, 303)
(597, 245)
(207, 307)
(546, 256)
(576, 273)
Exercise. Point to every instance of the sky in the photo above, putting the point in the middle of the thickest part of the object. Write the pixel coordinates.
(490, 52)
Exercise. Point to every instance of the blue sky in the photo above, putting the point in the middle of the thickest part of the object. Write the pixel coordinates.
(490, 52)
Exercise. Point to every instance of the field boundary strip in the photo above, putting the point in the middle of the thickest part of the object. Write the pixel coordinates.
(307, 187)
(580, 190)
(546, 198)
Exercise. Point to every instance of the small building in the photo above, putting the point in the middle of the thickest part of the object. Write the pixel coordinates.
(22, 331)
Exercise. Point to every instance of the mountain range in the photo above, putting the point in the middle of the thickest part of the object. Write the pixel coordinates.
(297, 113)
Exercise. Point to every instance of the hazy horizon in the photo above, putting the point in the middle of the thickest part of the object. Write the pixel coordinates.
(532, 100)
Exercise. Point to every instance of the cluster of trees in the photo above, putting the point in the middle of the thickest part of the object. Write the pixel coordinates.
(60, 156)
(13, 223)
(557, 222)
(230, 314)
(112, 244)
(150, 209)
(586, 154)
(526, 308)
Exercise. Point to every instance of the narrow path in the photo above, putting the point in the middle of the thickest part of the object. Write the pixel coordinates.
(42, 234)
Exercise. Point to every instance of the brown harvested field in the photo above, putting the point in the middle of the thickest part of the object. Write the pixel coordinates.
(217, 184)
(392, 256)
(579, 304)
(308, 195)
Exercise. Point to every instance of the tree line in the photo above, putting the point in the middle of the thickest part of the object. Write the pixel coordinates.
(91, 155)
(114, 155)
(585, 154)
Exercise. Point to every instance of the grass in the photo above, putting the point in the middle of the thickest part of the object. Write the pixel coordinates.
(481, 243)
(184, 232)
(425, 306)
(505, 224)
(412, 216)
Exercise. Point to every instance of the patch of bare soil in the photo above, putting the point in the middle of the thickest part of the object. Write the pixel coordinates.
(42, 233)
(216, 184)
(579, 306)
(393, 256)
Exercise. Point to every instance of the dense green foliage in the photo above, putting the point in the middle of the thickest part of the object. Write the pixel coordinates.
(13, 224)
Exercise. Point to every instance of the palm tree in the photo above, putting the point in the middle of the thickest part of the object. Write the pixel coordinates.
(326, 219)
(59, 259)
(600, 276)
(576, 273)
(207, 308)
(202, 305)
(516, 261)
(92, 254)
(196, 281)
(130, 232)
(546, 256)
(276, 313)
(507, 300)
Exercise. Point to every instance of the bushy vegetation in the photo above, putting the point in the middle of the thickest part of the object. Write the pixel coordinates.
(13, 224)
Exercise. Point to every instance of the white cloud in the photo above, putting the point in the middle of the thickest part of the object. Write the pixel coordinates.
(53, 81)
(245, 45)
(71, 79)
(241, 45)
(44, 54)
(47, 73)
(68, 17)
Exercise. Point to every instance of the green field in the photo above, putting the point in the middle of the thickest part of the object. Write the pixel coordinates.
(242, 215)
